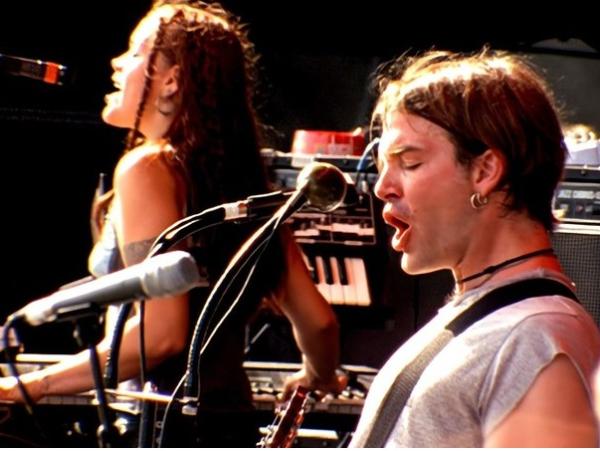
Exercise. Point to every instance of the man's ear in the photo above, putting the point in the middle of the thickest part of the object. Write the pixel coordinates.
(487, 171)
(170, 85)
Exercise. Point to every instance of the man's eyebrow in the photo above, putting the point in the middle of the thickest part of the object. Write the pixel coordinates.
(396, 151)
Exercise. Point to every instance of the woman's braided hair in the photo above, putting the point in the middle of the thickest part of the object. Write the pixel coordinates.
(214, 132)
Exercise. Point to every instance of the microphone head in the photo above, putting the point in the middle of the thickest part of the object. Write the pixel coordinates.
(323, 185)
(169, 274)
(46, 71)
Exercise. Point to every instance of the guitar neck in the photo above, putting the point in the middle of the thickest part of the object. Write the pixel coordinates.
(287, 421)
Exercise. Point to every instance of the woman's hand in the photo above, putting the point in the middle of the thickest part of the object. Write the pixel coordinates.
(9, 389)
(335, 384)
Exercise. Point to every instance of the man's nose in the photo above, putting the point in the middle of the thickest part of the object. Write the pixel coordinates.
(385, 188)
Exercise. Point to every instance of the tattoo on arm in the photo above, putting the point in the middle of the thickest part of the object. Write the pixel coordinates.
(137, 251)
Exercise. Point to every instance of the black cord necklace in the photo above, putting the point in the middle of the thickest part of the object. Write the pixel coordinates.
(494, 268)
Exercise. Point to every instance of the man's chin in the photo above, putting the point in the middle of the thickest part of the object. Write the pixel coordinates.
(407, 264)
(410, 265)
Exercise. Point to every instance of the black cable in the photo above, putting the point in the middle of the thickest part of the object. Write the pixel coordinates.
(107, 433)
(167, 239)
(111, 368)
(252, 208)
(171, 236)
(210, 307)
(258, 254)
(14, 372)
(168, 410)
(254, 339)
(362, 165)
(142, 336)
(193, 224)
(240, 260)
(186, 376)
(345, 441)
(186, 227)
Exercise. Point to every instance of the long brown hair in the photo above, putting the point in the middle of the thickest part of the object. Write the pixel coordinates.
(214, 132)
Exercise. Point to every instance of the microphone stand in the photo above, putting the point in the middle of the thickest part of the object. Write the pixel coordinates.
(167, 239)
(234, 211)
(249, 249)
(323, 185)
(185, 227)
(88, 331)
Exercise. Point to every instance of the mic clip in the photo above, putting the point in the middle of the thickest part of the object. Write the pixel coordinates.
(190, 406)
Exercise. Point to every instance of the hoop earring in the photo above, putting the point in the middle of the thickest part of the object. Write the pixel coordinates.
(164, 105)
(478, 201)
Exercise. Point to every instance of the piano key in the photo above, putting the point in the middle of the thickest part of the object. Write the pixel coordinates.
(322, 286)
(337, 292)
(350, 297)
(310, 265)
(341, 270)
(327, 271)
(360, 277)
(340, 280)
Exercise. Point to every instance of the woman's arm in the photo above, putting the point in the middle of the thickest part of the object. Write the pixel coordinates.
(147, 200)
(149, 197)
(314, 325)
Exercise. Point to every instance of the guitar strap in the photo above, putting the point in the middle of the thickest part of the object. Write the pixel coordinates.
(394, 401)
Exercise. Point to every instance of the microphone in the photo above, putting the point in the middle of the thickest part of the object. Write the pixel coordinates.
(46, 71)
(322, 185)
(168, 274)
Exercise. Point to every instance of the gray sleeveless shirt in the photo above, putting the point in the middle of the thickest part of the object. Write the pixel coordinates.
(481, 375)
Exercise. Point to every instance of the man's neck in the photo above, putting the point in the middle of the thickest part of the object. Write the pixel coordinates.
(513, 249)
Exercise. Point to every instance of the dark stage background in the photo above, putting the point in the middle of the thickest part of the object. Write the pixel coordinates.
(316, 61)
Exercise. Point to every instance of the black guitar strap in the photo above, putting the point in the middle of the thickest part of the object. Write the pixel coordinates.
(392, 405)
